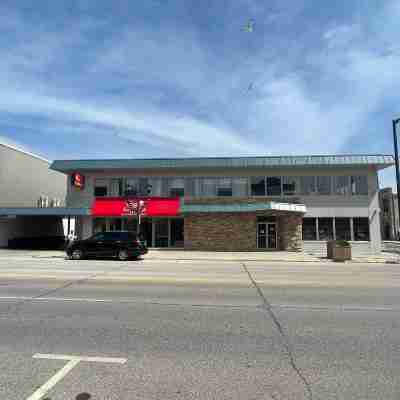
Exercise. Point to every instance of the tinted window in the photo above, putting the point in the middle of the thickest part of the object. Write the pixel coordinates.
(273, 186)
(257, 186)
(98, 236)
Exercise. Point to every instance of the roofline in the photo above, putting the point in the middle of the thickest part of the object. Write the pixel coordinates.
(15, 148)
(228, 158)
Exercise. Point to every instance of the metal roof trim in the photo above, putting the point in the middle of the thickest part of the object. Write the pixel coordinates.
(249, 207)
(380, 160)
(45, 211)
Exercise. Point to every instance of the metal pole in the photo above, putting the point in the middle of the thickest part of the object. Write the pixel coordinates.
(396, 157)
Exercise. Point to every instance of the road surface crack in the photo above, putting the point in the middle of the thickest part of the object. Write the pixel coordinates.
(285, 339)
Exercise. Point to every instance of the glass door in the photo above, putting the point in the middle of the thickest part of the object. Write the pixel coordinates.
(262, 235)
(161, 232)
(177, 239)
(266, 235)
(271, 235)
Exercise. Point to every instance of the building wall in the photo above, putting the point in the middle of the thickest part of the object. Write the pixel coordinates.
(24, 178)
(317, 205)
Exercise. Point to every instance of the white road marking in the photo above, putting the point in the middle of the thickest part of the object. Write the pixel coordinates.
(73, 361)
(114, 360)
(53, 380)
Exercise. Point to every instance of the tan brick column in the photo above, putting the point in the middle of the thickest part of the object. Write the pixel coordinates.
(291, 226)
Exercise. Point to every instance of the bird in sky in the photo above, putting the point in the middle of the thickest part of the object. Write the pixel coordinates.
(249, 27)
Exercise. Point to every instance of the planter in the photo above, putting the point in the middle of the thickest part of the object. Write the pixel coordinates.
(329, 248)
(341, 253)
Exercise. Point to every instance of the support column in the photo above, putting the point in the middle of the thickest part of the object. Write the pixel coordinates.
(351, 229)
(317, 228)
(334, 228)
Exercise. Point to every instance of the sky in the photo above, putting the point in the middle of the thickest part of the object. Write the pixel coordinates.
(186, 78)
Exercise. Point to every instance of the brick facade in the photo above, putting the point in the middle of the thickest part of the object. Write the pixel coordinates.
(238, 231)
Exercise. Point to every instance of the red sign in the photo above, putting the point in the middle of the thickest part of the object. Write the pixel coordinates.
(77, 180)
(134, 206)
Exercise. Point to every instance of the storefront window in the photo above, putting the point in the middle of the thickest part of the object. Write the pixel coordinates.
(99, 225)
(359, 185)
(290, 185)
(115, 224)
(224, 187)
(309, 229)
(342, 226)
(324, 185)
(131, 224)
(177, 239)
(240, 187)
(257, 185)
(100, 187)
(307, 185)
(325, 228)
(341, 185)
(361, 228)
(273, 186)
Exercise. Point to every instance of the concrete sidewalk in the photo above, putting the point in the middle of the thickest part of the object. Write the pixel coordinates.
(188, 255)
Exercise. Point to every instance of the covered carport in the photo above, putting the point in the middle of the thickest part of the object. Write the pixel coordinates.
(29, 222)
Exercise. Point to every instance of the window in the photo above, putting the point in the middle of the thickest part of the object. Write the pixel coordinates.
(309, 229)
(208, 187)
(274, 186)
(99, 225)
(240, 187)
(359, 185)
(224, 187)
(190, 186)
(325, 228)
(98, 236)
(324, 185)
(101, 187)
(116, 187)
(115, 224)
(176, 187)
(361, 228)
(290, 185)
(131, 187)
(307, 185)
(257, 185)
(341, 185)
(154, 186)
(342, 226)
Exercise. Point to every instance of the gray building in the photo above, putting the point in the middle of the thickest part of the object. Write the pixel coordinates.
(242, 203)
(28, 189)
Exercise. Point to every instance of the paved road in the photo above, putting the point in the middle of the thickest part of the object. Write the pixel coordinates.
(200, 330)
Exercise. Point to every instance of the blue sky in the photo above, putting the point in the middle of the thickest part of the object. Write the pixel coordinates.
(164, 78)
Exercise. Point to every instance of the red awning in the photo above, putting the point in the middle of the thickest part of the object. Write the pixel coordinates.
(132, 206)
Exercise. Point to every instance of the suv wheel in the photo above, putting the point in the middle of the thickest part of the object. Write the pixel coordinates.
(123, 255)
(77, 254)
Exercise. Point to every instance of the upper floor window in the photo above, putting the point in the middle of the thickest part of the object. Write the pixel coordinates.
(224, 187)
(208, 187)
(274, 186)
(101, 187)
(240, 187)
(176, 187)
(257, 185)
(359, 185)
(290, 185)
(131, 187)
(341, 185)
(307, 185)
(324, 184)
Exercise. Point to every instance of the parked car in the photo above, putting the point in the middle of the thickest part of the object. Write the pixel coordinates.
(120, 244)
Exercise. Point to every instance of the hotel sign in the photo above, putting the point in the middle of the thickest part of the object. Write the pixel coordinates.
(77, 180)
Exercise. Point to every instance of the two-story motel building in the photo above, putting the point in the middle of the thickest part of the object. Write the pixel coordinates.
(243, 203)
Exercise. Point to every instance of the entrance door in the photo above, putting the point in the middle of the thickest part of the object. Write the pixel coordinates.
(161, 232)
(266, 235)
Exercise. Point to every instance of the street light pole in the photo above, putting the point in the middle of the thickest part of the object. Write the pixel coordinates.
(396, 157)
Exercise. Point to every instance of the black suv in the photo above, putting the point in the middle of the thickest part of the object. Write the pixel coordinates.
(120, 244)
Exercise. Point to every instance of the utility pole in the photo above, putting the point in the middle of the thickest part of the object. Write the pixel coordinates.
(396, 158)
